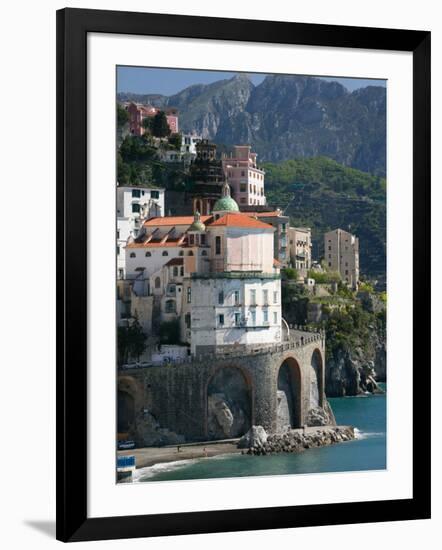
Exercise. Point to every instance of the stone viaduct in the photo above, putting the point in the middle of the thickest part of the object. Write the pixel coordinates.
(177, 394)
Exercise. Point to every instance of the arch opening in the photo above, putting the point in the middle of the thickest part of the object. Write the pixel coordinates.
(229, 404)
(126, 412)
(316, 378)
(288, 393)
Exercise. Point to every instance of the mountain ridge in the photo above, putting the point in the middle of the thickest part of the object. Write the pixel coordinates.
(286, 117)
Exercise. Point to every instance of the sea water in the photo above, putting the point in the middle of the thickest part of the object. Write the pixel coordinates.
(367, 413)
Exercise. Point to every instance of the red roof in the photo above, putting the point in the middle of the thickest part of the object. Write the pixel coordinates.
(240, 220)
(273, 214)
(175, 261)
(173, 220)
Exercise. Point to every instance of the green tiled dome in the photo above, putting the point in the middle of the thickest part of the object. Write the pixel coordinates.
(197, 224)
(225, 204)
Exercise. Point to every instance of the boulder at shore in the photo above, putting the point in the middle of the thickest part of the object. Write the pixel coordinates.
(255, 437)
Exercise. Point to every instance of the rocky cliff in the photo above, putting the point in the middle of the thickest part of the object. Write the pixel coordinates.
(286, 117)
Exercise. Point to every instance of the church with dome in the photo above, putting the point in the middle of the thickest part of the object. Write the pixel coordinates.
(213, 274)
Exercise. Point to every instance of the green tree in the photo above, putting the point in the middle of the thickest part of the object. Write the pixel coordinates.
(122, 116)
(131, 342)
(290, 273)
(160, 126)
(170, 332)
(147, 123)
(175, 141)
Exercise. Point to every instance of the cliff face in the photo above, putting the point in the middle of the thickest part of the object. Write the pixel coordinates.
(351, 370)
(287, 117)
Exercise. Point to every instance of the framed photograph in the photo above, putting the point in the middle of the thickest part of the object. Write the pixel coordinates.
(243, 302)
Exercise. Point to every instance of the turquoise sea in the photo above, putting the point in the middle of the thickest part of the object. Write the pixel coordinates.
(367, 413)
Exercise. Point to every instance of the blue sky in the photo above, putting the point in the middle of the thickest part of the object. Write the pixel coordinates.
(145, 80)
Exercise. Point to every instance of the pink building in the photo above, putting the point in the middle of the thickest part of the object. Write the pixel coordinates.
(244, 177)
(138, 112)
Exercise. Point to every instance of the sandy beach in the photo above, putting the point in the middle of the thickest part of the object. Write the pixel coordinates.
(148, 456)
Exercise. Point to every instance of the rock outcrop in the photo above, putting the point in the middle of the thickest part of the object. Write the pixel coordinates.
(147, 432)
(321, 416)
(295, 441)
(351, 372)
(255, 437)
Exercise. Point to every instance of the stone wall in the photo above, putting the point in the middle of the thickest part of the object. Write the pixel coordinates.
(177, 394)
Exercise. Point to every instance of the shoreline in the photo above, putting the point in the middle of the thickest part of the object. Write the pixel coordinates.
(151, 456)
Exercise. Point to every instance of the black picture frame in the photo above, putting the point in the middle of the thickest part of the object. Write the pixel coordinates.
(73, 25)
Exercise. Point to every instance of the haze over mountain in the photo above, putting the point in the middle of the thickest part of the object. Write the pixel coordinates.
(286, 117)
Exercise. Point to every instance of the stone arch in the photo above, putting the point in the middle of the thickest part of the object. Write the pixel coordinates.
(126, 412)
(289, 395)
(229, 403)
(316, 380)
(129, 402)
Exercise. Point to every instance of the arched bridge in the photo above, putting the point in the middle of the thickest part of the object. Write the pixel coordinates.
(219, 396)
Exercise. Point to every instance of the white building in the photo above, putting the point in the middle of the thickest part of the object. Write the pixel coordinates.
(134, 204)
(243, 175)
(187, 151)
(341, 253)
(238, 302)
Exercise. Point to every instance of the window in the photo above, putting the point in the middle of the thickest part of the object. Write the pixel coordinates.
(253, 297)
(329, 256)
(192, 239)
(221, 297)
(170, 306)
(275, 297)
(265, 296)
(203, 239)
(275, 317)
(242, 200)
(136, 194)
(190, 253)
(135, 207)
(236, 297)
(253, 318)
(346, 271)
(121, 273)
(175, 271)
(155, 194)
(329, 264)
(221, 320)
(266, 316)
(189, 295)
(118, 250)
(204, 253)
(165, 253)
(118, 233)
(283, 227)
(157, 282)
(187, 320)
(182, 271)
(243, 188)
(181, 253)
(148, 254)
(217, 245)
(133, 255)
(243, 173)
(329, 247)
(237, 319)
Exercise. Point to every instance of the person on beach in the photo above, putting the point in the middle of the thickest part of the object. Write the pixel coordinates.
(205, 452)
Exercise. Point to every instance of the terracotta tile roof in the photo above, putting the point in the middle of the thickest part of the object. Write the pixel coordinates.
(240, 220)
(273, 214)
(175, 261)
(146, 244)
(173, 220)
